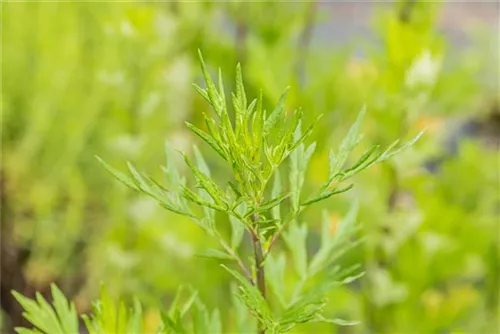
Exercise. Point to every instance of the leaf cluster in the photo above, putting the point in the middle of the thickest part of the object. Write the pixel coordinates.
(110, 316)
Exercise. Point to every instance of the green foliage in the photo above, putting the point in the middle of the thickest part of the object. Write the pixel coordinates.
(113, 80)
(100, 81)
(111, 317)
(60, 318)
(253, 148)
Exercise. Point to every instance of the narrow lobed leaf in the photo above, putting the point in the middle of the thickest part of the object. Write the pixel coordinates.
(208, 139)
(273, 118)
(275, 192)
(327, 194)
(120, 176)
(214, 254)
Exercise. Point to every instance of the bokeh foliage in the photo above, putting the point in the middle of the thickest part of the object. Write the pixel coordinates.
(114, 79)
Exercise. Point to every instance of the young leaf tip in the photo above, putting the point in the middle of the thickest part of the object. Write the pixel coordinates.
(362, 113)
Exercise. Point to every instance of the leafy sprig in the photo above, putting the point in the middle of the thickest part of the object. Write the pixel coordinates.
(254, 144)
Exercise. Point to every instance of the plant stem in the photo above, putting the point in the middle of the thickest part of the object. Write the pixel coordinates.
(238, 260)
(259, 267)
(261, 282)
(280, 230)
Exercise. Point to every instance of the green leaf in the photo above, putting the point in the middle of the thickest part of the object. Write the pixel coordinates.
(304, 310)
(170, 325)
(253, 299)
(319, 259)
(332, 158)
(200, 161)
(211, 91)
(299, 160)
(369, 158)
(61, 318)
(138, 179)
(295, 239)
(204, 322)
(208, 139)
(308, 154)
(348, 144)
(222, 95)
(195, 198)
(21, 330)
(257, 126)
(204, 181)
(234, 188)
(91, 328)
(203, 167)
(275, 274)
(268, 204)
(118, 175)
(388, 154)
(65, 310)
(173, 178)
(275, 192)
(241, 98)
(286, 144)
(251, 106)
(326, 195)
(273, 118)
(50, 314)
(200, 318)
(173, 320)
(107, 312)
(202, 92)
(189, 302)
(353, 278)
(175, 302)
(213, 129)
(135, 324)
(151, 188)
(309, 305)
(306, 134)
(358, 166)
(237, 231)
(245, 324)
(338, 322)
(330, 245)
(179, 211)
(214, 324)
(109, 316)
(215, 254)
(347, 225)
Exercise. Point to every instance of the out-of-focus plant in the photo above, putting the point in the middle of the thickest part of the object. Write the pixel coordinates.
(424, 271)
(95, 77)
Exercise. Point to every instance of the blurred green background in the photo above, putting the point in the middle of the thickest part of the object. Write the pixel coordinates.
(114, 79)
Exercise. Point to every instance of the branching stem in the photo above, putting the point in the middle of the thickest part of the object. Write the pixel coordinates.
(238, 260)
(277, 234)
(259, 267)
